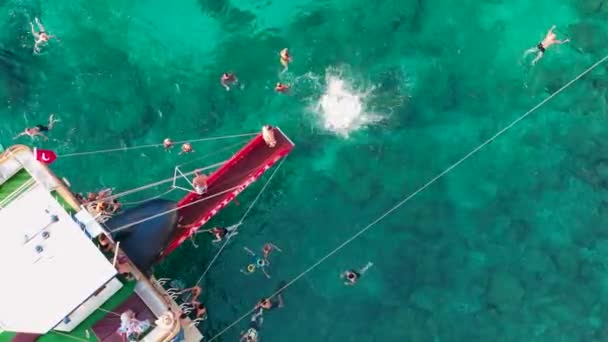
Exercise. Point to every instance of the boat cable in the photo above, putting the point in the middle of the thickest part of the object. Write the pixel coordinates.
(149, 199)
(151, 185)
(231, 234)
(157, 183)
(128, 225)
(413, 194)
(167, 180)
(154, 145)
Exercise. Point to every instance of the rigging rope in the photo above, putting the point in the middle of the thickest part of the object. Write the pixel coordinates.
(154, 145)
(123, 227)
(228, 237)
(154, 184)
(422, 188)
(148, 199)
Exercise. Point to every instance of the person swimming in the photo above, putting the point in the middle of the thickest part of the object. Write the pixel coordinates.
(257, 263)
(228, 79)
(268, 248)
(41, 36)
(38, 130)
(352, 276)
(199, 183)
(220, 232)
(281, 88)
(167, 144)
(285, 59)
(186, 148)
(268, 136)
(549, 40)
(251, 335)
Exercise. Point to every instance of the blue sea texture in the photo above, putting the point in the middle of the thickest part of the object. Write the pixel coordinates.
(510, 245)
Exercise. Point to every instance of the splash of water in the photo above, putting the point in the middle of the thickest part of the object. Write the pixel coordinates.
(342, 109)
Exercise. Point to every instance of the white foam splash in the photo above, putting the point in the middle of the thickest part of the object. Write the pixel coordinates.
(341, 108)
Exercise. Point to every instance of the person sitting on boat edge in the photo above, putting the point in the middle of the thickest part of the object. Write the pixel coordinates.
(257, 262)
(199, 182)
(195, 292)
(268, 136)
(352, 276)
(38, 130)
(221, 232)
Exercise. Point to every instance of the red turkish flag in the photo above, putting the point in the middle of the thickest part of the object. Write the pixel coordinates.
(45, 156)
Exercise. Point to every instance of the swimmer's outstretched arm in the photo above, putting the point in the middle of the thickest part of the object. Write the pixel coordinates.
(557, 41)
(40, 27)
(275, 247)
(20, 135)
(34, 31)
(249, 251)
(266, 273)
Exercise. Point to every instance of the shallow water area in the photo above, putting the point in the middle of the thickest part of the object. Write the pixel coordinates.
(510, 245)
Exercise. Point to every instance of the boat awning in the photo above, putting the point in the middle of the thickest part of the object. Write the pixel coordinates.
(48, 268)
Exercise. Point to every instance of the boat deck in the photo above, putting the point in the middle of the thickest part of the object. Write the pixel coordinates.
(80, 332)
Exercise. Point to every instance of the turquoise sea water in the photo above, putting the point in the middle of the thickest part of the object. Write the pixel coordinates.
(510, 246)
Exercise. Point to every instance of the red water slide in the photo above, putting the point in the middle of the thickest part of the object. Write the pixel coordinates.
(223, 185)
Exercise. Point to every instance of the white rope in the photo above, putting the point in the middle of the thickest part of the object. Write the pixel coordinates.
(148, 199)
(123, 227)
(229, 235)
(152, 185)
(422, 188)
(154, 145)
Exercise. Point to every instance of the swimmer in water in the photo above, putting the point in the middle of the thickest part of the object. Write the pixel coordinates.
(199, 183)
(167, 144)
(186, 148)
(549, 40)
(257, 263)
(268, 136)
(228, 79)
(38, 130)
(251, 335)
(285, 59)
(41, 36)
(268, 248)
(352, 276)
(220, 232)
(281, 88)
(274, 302)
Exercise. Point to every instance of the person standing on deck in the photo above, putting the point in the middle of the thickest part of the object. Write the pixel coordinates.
(38, 130)
(199, 182)
(41, 36)
(549, 40)
(268, 136)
